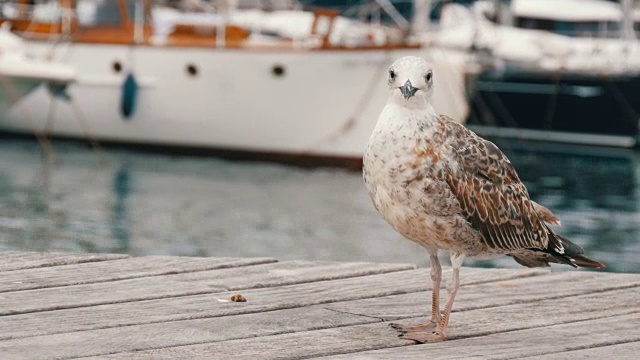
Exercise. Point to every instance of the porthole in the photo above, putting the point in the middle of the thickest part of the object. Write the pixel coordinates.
(116, 66)
(278, 70)
(192, 70)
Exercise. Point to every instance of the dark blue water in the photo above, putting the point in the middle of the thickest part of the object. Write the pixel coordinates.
(142, 203)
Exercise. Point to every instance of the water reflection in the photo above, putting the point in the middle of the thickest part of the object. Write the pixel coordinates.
(149, 204)
(119, 215)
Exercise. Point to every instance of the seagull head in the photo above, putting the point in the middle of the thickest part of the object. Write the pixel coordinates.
(410, 81)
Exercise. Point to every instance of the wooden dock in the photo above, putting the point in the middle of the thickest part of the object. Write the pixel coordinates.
(61, 306)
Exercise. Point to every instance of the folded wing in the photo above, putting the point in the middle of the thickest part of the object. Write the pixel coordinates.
(492, 196)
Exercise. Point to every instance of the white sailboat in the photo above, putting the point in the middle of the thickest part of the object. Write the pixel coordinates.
(287, 82)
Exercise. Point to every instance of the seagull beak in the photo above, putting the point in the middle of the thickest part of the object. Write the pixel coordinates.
(408, 90)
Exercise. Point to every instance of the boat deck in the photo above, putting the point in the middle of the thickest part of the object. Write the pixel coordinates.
(117, 307)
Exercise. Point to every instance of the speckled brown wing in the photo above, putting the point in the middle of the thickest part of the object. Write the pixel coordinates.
(491, 194)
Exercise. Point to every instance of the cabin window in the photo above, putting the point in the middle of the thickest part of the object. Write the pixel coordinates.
(535, 24)
(98, 13)
(40, 11)
(600, 29)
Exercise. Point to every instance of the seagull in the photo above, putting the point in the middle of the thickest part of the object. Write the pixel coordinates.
(444, 187)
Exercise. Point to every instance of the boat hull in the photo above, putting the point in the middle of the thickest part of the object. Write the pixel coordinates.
(562, 107)
(323, 103)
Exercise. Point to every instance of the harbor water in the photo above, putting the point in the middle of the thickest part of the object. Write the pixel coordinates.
(145, 203)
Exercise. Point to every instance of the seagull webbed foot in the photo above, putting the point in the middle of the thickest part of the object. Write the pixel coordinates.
(421, 327)
(423, 336)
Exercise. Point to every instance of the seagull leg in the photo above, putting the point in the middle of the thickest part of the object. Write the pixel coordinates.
(440, 333)
(456, 263)
(436, 278)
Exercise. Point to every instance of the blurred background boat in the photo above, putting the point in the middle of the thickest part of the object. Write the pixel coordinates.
(545, 70)
(280, 81)
(557, 70)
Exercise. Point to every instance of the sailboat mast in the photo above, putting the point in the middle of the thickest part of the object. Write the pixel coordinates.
(627, 19)
(420, 22)
(395, 15)
(503, 14)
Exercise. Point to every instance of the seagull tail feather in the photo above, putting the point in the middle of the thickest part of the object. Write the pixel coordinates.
(559, 250)
(586, 262)
(573, 254)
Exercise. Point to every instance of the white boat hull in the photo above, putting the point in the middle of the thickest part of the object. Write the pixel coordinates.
(325, 104)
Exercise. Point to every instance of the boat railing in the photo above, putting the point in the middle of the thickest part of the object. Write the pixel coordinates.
(61, 20)
(33, 21)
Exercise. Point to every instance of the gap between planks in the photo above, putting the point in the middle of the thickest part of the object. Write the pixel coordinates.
(116, 269)
(620, 351)
(17, 260)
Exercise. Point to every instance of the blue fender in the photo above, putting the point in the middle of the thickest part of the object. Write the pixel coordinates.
(129, 96)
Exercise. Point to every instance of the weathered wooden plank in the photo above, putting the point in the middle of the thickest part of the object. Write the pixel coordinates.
(509, 345)
(141, 337)
(624, 351)
(354, 339)
(16, 260)
(486, 295)
(135, 267)
(258, 300)
(179, 333)
(201, 282)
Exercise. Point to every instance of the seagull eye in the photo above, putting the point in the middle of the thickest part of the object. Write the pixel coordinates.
(392, 75)
(428, 76)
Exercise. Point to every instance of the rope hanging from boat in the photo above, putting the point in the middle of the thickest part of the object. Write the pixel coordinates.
(362, 104)
(14, 95)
